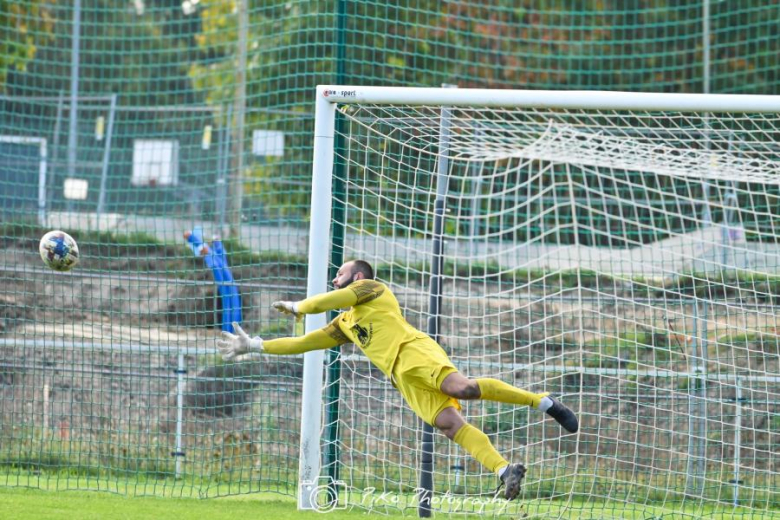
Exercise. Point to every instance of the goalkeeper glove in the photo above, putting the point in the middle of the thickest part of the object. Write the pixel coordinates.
(287, 308)
(232, 345)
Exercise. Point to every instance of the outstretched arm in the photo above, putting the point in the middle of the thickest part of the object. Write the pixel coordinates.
(362, 291)
(316, 340)
(232, 345)
(339, 299)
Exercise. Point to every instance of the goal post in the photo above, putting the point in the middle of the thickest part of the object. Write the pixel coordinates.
(620, 250)
(317, 280)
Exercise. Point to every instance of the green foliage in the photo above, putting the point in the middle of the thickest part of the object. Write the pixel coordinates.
(139, 248)
(751, 285)
(627, 349)
(155, 54)
(40, 451)
(749, 350)
(294, 46)
(23, 26)
(137, 50)
(492, 273)
(240, 254)
(119, 243)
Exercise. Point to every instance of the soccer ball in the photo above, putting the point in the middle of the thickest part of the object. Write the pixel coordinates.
(59, 251)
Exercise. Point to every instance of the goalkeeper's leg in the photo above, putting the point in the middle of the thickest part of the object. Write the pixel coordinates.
(461, 387)
(478, 445)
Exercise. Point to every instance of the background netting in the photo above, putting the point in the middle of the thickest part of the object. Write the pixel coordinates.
(626, 261)
(127, 123)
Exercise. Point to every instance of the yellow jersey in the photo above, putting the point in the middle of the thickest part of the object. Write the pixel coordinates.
(374, 323)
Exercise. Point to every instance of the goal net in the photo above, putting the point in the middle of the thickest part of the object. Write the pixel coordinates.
(626, 260)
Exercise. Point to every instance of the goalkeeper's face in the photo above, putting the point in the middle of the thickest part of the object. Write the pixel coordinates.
(345, 276)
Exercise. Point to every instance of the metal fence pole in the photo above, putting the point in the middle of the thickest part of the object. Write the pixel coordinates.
(106, 157)
(73, 130)
(434, 303)
(236, 188)
(180, 372)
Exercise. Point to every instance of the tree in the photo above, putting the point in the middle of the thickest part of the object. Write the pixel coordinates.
(23, 26)
(139, 53)
(578, 44)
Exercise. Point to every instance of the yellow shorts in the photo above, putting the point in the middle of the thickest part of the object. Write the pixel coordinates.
(420, 368)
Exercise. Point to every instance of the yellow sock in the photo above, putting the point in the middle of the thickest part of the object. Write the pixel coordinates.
(478, 445)
(495, 390)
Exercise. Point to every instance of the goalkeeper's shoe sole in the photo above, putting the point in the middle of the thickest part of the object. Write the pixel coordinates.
(565, 417)
(512, 479)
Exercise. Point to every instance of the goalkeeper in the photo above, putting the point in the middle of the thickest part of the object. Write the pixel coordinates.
(416, 365)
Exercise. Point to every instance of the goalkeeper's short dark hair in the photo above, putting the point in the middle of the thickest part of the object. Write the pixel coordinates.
(361, 266)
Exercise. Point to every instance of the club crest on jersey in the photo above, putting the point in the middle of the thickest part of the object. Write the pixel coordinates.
(362, 334)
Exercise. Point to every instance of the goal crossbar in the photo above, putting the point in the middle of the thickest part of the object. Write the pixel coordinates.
(574, 99)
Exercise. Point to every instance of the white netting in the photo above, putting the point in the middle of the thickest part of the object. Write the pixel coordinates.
(627, 262)
(740, 148)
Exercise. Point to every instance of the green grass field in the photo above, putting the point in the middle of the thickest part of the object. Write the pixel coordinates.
(33, 504)
(36, 504)
(55, 496)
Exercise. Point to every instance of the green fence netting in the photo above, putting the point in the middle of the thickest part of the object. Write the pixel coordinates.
(129, 123)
